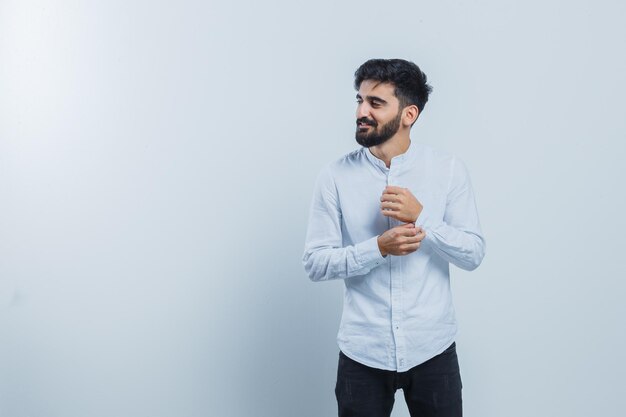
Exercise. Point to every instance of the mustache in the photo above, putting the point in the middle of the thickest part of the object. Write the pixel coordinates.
(366, 121)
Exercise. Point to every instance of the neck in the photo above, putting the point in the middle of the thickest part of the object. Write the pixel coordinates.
(396, 145)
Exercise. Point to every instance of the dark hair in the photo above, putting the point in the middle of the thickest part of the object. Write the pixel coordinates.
(408, 79)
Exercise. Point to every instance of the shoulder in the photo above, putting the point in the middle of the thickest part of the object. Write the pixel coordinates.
(436, 156)
(345, 163)
(446, 165)
(349, 159)
(437, 162)
(338, 167)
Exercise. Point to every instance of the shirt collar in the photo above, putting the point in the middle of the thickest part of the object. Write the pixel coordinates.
(397, 161)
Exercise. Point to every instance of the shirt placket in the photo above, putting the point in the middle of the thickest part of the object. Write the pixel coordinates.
(396, 283)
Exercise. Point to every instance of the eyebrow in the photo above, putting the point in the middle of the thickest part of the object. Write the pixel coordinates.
(372, 98)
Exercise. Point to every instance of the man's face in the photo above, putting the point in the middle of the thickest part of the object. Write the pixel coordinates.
(378, 113)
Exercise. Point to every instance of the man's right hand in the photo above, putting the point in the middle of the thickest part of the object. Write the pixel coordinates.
(401, 240)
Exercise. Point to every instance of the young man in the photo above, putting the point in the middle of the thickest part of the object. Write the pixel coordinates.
(388, 219)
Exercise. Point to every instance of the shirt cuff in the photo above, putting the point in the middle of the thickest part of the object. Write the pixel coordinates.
(430, 238)
(368, 254)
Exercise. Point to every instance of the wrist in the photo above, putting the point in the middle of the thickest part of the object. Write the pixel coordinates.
(382, 251)
(417, 216)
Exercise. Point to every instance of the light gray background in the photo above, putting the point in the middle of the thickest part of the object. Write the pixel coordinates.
(157, 161)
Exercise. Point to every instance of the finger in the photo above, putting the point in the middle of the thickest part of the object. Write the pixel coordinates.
(409, 229)
(409, 247)
(404, 246)
(408, 239)
(391, 197)
(390, 206)
(392, 189)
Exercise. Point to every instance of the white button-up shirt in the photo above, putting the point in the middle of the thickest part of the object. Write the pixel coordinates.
(397, 310)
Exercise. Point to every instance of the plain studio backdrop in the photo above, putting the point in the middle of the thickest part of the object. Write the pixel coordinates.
(157, 162)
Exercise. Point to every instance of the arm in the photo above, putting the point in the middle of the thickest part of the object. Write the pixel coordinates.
(324, 257)
(458, 239)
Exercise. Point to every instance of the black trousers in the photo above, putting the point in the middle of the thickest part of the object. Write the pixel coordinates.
(432, 388)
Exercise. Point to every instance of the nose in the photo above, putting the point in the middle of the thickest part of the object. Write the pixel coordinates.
(362, 110)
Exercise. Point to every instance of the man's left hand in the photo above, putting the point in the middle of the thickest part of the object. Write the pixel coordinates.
(401, 204)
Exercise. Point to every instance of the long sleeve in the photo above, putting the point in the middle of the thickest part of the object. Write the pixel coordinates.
(458, 239)
(324, 257)
(398, 311)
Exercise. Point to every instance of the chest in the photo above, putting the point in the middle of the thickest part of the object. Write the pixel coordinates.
(360, 193)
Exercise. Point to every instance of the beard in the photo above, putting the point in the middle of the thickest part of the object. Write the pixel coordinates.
(377, 136)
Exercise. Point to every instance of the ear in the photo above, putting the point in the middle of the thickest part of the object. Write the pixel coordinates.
(410, 115)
